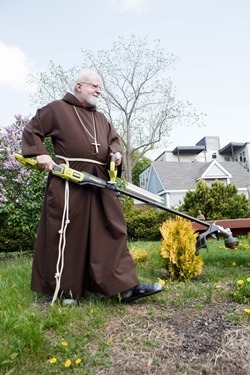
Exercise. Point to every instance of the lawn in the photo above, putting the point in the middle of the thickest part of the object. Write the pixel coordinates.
(193, 327)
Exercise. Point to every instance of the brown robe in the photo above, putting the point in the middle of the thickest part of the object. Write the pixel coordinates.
(96, 256)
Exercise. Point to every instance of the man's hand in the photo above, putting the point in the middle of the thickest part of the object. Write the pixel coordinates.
(45, 162)
(118, 158)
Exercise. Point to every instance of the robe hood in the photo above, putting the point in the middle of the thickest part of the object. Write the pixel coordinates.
(71, 99)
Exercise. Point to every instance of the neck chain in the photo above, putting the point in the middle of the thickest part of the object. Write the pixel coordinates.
(92, 136)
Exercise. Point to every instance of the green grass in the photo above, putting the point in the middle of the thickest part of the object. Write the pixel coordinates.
(32, 332)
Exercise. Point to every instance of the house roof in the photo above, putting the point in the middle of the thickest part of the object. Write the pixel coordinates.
(230, 148)
(188, 150)
(185, 175)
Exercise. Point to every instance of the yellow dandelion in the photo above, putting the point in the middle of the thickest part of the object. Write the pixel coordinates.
(233, 264)
(248, 279)
(78, 361)
(64, 343)
(53, 360)
(247, 311)
(217, 286)
(67, 363)
(162, 282)
(240, 282)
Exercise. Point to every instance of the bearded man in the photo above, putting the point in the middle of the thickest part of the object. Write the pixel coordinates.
(81, 241)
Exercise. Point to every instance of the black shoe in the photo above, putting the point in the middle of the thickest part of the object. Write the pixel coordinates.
(140, 291)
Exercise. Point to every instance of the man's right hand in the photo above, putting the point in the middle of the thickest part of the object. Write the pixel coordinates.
(45, 162)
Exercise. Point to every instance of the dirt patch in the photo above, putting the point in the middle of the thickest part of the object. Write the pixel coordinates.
(157, 339)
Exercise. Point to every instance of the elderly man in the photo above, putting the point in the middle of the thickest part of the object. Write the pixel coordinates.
(81, 242)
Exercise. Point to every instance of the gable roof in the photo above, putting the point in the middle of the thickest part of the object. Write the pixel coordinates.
(215, 170)
(185, 175)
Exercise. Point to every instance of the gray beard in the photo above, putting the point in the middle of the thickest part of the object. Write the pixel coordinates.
(89, 99)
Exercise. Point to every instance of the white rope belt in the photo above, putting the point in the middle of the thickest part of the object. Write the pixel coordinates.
(77, 159)
(64, 224)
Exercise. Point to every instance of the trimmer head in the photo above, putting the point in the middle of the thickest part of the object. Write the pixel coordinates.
(231, 242)
(213, 230)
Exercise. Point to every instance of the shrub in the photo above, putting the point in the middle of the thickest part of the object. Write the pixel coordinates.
(144, 224)
(178, 249)
(12, 240)
(139, 254)
(216, 202)
(21, 188)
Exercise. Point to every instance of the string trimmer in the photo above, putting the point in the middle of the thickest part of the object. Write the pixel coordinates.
(83, 178)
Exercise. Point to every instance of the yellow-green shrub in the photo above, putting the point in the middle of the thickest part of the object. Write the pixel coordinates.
(139, 254)
(178, 248)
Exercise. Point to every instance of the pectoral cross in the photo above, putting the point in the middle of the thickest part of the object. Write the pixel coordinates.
(96, 146)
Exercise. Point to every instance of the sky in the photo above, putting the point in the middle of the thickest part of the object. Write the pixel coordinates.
(209, 37)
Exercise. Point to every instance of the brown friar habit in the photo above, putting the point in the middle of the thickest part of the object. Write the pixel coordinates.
(96, 257)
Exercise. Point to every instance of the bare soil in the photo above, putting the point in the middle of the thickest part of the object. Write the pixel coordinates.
(152, 338)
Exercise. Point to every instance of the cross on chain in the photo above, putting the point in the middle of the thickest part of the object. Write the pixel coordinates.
(96, 146)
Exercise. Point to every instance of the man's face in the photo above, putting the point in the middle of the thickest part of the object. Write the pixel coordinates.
(90, 90)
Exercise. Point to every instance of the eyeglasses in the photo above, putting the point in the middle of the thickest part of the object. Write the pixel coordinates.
(93, 85)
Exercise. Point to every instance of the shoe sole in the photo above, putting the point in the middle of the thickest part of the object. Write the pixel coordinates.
(141, 295)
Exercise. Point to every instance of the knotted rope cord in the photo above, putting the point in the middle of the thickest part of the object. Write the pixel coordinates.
(62, 241)
(64, 223)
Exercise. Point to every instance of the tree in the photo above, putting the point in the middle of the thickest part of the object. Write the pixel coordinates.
(217, 202)
(141, 164)
(138, 96)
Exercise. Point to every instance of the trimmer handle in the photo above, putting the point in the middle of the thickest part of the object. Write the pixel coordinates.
(112, 169)
(26, 161)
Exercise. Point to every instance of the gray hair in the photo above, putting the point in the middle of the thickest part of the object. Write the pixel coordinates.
(83, 75)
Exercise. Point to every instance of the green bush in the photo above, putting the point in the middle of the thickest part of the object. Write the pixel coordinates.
(144, 224)
(12, 240)
(216, 202)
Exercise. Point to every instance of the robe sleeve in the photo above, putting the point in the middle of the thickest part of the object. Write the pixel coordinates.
(35, 131)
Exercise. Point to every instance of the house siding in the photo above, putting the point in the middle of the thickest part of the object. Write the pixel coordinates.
(155, 185)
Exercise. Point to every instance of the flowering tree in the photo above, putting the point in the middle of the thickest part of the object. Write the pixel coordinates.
(21, 188)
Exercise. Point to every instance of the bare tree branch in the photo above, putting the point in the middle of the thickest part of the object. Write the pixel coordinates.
(139, 97)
